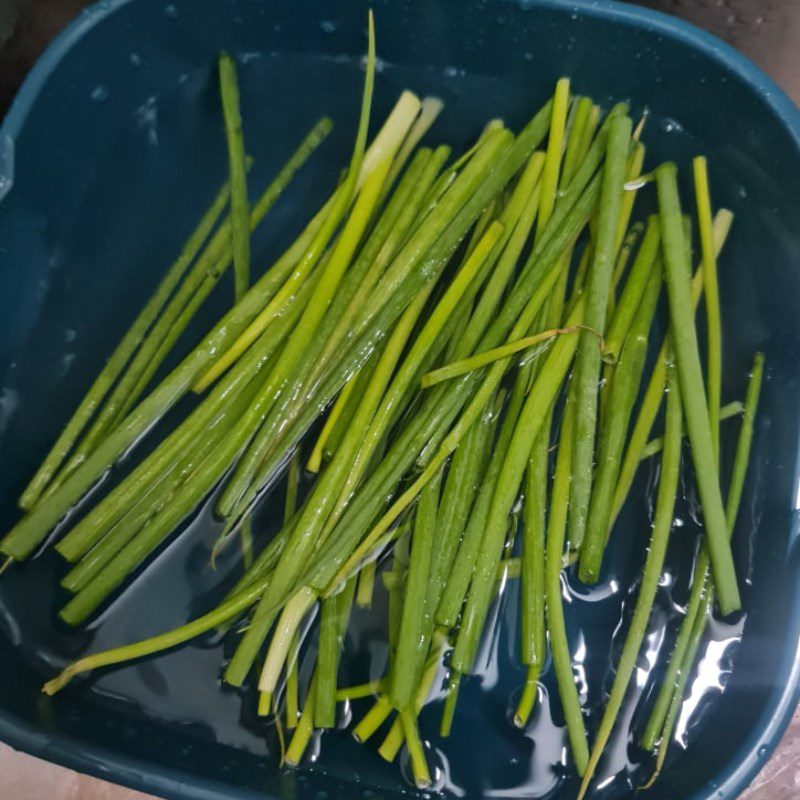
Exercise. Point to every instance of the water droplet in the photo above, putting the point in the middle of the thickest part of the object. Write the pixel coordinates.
(762, 751)
(327, 26)
(636, 183)
(135, 59)
(66, 363)
(742, 192)
(528, 56)
(9, 402)
(100, 93)
(147, 119)
(5, 186)
(171, 11)
(380, 64)
(70, 335)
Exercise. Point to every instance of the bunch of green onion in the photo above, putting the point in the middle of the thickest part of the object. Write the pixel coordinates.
(438, 316)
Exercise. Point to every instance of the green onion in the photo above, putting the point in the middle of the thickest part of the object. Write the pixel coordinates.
(460, 575)
(589, 130)
(621, 399)
(386, 237)
(342, 253)
(292, 678)
(544, 261)
(554, 552)
(531, 418)
(656, 551)
(397, 284)
(309, 525)
(356, 298)
(621, 265)
(441, 411)
(463, 287)
(211, 265)
(306, 252)
(429, 111)
(315, 459)
(533, 644)
(164, 641)
(635, 163)
(123, 353)
(240, 204)
(654, 393)
(335, 616)
(412, 644)
(424, 305)
(290, 619)
(587, 367)
(416, 754)
(728, 411)
(304, 729)
(327, 220)
(532, 591)
(458, 368)
(342, 424)
(555, 148)
(711, 287)
(34, 527)
(687, 356)
(518, 218)
(370, 689)
(569, 221)
(350, 469)
(532, 623)
(633, 292)
(391, 745)
(306, 328)
(366, 585)
(573, 153)
(373, 719)
(180, 442)
(459, 490)
(701, 596)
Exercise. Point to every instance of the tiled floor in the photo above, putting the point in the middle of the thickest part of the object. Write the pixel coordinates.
(25, 778)
(767, 30)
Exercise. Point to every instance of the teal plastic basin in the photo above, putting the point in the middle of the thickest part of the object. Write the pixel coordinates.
(110, 152)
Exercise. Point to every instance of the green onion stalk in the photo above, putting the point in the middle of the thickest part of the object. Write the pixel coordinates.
(687, 356)
(701, 600)
(656, 552)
